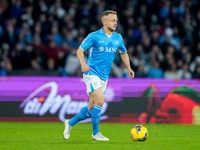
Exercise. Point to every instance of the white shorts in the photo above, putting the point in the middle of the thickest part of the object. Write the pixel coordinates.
(93, 82)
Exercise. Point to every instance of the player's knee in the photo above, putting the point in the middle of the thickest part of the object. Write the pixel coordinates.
(100, 102)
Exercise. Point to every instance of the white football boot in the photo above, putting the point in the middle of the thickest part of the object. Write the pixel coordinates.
(99, 137)
(67, 130)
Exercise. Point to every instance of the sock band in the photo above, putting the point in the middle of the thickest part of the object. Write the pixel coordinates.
(97, 107)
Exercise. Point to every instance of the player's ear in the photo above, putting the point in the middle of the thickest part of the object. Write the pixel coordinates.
(104, 20)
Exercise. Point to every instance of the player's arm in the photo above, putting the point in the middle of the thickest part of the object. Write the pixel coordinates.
(126, 62)
(80, 55)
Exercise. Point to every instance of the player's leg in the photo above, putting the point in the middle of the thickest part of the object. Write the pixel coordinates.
(99, 99)
(84, 113)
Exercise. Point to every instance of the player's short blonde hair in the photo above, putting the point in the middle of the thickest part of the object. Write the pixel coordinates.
(107, 12)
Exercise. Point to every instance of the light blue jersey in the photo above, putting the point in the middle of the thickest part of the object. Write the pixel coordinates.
(102, 50)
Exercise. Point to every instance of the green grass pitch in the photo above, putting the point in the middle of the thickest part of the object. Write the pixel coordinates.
(49, 136)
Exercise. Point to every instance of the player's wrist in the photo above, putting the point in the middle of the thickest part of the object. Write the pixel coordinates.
(83, 64)
(129, 69)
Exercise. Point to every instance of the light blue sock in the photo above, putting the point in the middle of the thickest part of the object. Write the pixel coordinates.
(83, 114)
(96, 115)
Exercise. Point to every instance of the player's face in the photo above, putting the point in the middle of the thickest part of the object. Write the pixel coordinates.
(111, 22)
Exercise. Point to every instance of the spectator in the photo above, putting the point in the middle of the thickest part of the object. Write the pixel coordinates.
(155, 71)
(35, 65)
(120, 72)
(43, 6)
(51, 64)
(164, 11)
(72, 63)
(184, 72)
(195, 64)
(22, 39)
(189, 26)
(196, 74)
(168, 37)
(54, 35)
(28, 54)
(5, 62)
(139, 57)
(10, 36)
(26, 30)
(155, 54)
(140, 73)
(69, 39)
(171, 72)
(17, 9)
(51, 51)
(57, 10)
(16, 57)
(155, 37)
(27, 17)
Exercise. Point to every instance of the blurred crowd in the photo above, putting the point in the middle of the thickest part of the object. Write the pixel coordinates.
(40, 37)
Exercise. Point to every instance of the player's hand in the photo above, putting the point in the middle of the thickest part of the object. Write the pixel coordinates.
(85, 68)
(131, 73)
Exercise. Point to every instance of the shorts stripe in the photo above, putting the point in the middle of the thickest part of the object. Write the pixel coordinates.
(91, 87)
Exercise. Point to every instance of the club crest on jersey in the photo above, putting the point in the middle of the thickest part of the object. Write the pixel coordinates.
(116, 42)
(101, 49)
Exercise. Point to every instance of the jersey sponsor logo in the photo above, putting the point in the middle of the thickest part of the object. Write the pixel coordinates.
(111, 49)
(108, 49)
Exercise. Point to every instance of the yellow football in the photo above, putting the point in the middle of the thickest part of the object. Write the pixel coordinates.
(139, 133)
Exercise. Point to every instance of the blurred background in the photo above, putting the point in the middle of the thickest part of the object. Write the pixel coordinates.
(40, 37)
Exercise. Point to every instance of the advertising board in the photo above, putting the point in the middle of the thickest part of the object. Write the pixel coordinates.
(126, 100)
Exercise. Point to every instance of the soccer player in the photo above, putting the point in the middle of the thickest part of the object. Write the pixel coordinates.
(102, 45)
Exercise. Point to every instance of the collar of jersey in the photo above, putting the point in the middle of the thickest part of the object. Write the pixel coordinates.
(102, 32)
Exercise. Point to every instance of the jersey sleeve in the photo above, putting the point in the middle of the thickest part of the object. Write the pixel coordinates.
(87, 42)
(121, 48)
